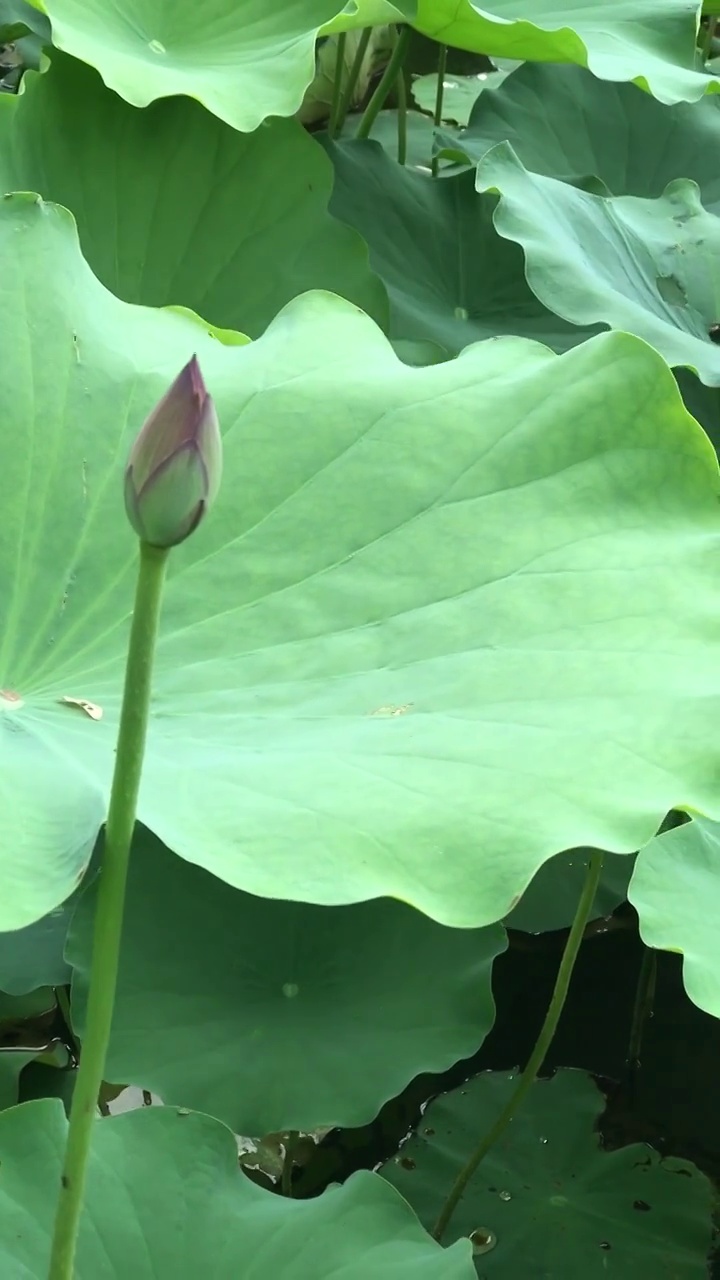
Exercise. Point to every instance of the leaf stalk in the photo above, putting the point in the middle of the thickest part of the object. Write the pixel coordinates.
(542, 1044)
(437, 113)
(387, 80)
(353, 76)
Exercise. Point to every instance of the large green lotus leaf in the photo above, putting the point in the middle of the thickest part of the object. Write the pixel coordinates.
(174, 219)
(243, 62)
(618, 40)
(442, 622)
(649, 267)
(279, 1015)
(166, 1197)
(550, 900)
(450, 277)
(565, 123)
(547, 1199)
(676, 891)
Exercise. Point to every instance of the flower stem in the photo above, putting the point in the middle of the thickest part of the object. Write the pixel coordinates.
(389, 76)
(542, 1044)
(107, 931)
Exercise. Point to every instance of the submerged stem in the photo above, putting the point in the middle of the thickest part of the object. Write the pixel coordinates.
(389, 76)
(644, 1000)
(542, 1044)
(107, 930)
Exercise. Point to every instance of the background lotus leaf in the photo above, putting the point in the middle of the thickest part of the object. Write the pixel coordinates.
(175, 220)
(565, 123)
(243, 63)
(675, 891)
(551, 1200)
(644, 266)
(450, 277)
(278, 1015)
(618, 40)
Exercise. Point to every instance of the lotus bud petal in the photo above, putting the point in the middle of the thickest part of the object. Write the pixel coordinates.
(173, 472)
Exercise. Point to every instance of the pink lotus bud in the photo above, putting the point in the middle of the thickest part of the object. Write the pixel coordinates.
(173, 472)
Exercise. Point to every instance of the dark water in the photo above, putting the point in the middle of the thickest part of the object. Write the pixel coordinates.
(671, 1102)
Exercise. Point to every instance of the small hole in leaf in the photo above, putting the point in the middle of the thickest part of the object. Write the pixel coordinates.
(714, 333)
(642, 1205)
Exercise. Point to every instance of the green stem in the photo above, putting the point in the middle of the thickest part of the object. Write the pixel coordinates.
(401, 117)
(353, 75)
(337, 84)
(437, 113)
(542, 1044)
(107, 931)
(389, 76)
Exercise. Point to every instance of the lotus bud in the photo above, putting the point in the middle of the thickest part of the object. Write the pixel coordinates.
(173, 472)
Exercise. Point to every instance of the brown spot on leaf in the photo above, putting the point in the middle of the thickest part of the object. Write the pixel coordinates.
(393, 710)
(91, 709)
